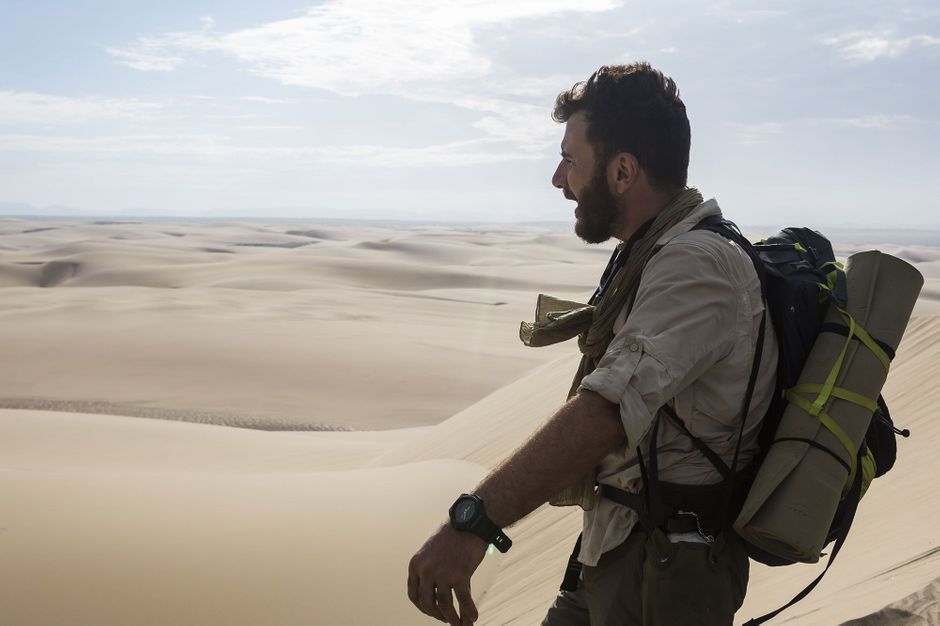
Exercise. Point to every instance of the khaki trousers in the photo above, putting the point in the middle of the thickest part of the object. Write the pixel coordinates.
(648, 581)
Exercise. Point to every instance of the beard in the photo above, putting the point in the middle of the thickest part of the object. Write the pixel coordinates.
(596, 210)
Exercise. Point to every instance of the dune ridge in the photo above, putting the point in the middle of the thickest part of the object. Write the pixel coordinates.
(921, 608)
(126, 409)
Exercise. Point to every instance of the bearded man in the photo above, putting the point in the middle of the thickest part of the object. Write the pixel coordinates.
(669, 341)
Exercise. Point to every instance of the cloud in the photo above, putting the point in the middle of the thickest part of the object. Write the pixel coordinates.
(762, 132)
(734, 12)
(422, 50)
(867, 46)
(26, 107)
(210, 146)
(148, 55)
(266, 100)
(749, 134)
(163, 53)
(154, 144)
(452, 154)
(528, 127)
(880, 122)
(354, 47)
(266, 127)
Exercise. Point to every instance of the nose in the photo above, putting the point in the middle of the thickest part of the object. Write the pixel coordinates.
(559, 177)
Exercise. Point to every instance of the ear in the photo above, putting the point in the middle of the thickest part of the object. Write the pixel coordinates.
(623, 172)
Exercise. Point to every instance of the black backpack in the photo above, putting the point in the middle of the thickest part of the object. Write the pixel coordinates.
(799, 277)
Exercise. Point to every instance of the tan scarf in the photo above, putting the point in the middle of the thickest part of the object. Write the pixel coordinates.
(559, 320)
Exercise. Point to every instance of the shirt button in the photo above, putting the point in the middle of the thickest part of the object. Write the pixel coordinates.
(634, 347)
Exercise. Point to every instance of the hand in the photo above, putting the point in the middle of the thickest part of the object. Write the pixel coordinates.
(440, 570)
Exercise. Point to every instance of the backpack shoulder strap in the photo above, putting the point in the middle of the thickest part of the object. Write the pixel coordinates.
(730, 231)
(709, 454)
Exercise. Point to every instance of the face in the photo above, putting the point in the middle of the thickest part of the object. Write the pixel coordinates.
(583, 179)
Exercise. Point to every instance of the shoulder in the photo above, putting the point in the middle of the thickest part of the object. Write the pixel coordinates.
(696, 251)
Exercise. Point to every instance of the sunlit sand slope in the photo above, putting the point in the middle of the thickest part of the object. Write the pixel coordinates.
(254, 528)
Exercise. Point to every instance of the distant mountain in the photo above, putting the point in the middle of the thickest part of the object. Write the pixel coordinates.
(21, 208)
(16, 208)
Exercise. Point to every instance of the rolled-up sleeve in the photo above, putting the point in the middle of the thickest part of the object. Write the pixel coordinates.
(683, 321)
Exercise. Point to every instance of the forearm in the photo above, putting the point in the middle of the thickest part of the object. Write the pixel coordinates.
(570, 444)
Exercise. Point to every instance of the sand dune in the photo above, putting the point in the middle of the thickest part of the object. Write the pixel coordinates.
(284, 335)
(395, 354)
(235, 538)
(921, 608)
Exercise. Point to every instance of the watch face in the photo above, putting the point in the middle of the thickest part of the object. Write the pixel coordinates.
(464, 511)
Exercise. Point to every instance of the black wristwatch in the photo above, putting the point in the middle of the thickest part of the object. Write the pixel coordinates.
(469, 514)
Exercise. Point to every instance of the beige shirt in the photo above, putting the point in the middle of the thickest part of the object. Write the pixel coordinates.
(690, 336)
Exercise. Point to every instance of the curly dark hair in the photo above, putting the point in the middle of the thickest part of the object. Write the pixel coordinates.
(634, 108)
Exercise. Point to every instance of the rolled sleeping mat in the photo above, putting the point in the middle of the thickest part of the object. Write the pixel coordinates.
(793, 499)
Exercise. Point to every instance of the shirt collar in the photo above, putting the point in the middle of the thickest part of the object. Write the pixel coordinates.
(706, 209)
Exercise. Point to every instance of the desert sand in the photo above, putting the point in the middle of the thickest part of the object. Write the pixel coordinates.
(259, 423)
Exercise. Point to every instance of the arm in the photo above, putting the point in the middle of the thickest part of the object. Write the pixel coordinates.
(563, 449)
(567, 446)
(683, 321)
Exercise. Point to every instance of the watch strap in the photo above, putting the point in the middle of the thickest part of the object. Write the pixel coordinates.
(491, 533)
(501, 541)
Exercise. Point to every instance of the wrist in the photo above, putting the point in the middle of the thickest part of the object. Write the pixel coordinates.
(468, 514)
(466, 537)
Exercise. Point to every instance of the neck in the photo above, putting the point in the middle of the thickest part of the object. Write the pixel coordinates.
(638, 210)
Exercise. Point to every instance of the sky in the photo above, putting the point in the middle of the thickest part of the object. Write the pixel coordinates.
(802, 111)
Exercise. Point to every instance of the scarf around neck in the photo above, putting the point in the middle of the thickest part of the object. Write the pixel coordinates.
(558, 320)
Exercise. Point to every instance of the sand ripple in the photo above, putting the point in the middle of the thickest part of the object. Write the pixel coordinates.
(236, 420)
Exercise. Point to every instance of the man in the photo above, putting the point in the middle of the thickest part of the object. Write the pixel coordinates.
(673, 329)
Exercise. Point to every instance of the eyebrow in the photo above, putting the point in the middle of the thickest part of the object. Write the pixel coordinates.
(565, 153)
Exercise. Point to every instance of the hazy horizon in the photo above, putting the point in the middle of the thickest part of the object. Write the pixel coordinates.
(845, 235)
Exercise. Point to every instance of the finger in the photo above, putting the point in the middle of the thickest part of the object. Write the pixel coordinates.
(468, 610)
(426, 600)
(445, 602)
(413, 588)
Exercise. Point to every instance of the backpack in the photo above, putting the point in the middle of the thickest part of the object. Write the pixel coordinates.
(799, 277)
